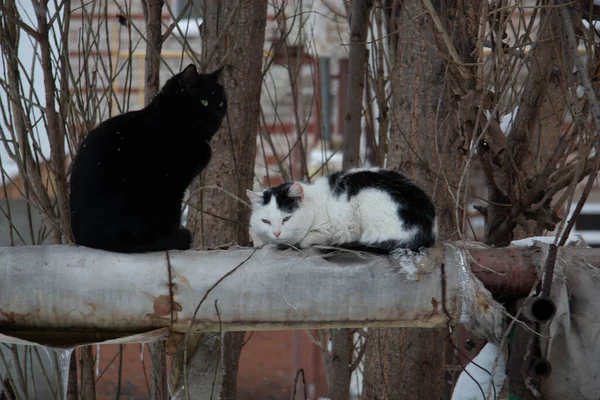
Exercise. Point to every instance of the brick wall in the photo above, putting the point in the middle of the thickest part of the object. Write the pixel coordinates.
(268, 366)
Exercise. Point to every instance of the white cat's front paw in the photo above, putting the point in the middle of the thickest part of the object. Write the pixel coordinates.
(312, 239)
(400, 252)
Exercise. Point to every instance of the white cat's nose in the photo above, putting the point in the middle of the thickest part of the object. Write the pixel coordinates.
(276, 234)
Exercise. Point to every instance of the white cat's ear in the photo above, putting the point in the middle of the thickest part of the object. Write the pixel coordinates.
(296, 190)
(255, 198)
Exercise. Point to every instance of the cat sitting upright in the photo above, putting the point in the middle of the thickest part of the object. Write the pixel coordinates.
(368, 209)
(130, 174)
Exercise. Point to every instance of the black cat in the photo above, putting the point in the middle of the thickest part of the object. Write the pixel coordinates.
(130, 174)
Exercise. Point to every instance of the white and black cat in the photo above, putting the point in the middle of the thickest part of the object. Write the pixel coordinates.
(369, 209)
(130, 173)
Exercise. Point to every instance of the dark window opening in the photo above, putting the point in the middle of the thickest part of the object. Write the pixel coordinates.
(588, 222)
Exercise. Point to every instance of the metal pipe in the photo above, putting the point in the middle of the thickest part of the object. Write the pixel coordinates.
(49, 289)
(538, 309)
(69, 293)
(540, 368)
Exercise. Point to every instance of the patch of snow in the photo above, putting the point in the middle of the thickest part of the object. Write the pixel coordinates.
(188, 27)
(530, 241)
(586, 23)
(97, 360)
(475, 379)
(8, 166)
(319, 156)
(506, 121)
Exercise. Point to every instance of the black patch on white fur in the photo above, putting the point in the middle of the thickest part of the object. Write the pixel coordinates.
(266, 197)
(284, 201)
(334, 179)
(384, 247)
(415, 209)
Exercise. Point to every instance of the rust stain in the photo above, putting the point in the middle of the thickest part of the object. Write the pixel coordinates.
(162, 306)
(181, 279)
(11, 317)
(506, 271)
(427, 316)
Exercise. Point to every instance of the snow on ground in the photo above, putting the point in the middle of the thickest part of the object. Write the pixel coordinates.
(474, 382)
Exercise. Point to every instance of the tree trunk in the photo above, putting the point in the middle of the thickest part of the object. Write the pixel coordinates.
(216, 216)
(424, 144)
(234, 35)
(55, 125)
(88, 380)
(202, 374)
(72, 382)
(152, 15)
(531, 147)
(359, 24)
(402, 363)
(158, 370)
(339, 361)
(534, 135)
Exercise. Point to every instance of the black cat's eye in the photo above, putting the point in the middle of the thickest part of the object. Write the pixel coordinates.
(287, 218)
(266, 221)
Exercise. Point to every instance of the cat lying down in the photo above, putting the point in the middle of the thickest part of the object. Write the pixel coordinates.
(367, 209)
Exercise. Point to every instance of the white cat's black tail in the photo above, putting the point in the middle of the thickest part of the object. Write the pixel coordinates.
(422, 239)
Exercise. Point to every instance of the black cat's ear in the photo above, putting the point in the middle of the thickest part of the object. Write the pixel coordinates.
(217, 72)
(216, 75)
(189, 76)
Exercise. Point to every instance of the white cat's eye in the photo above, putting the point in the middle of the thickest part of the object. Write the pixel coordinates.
(204, 103)
(266, 221)
(287, 218)
(221, 105)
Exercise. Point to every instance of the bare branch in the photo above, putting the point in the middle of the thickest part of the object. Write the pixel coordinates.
(359, 16)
